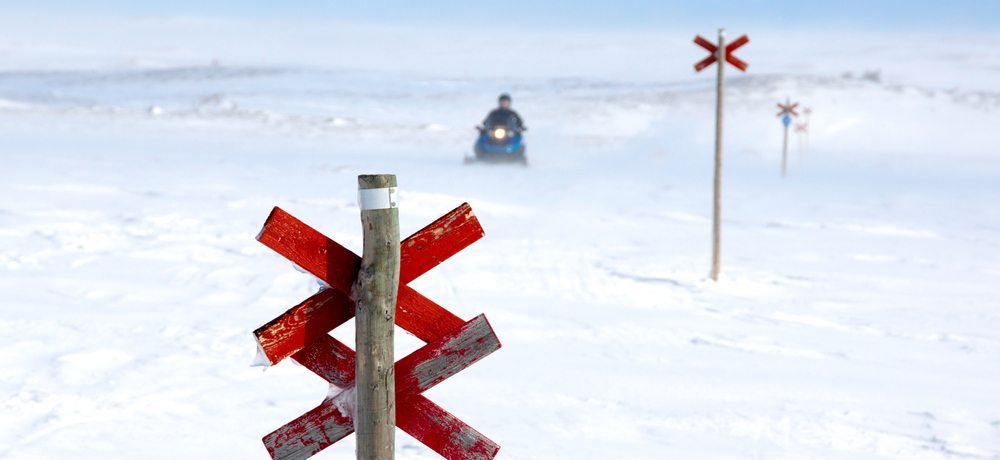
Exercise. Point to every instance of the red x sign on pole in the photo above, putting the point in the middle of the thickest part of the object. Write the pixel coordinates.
(726, 53)
(714, 50)
(302, 333)
(788, 108)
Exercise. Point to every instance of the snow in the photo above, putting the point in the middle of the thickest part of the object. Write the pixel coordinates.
(857, 316)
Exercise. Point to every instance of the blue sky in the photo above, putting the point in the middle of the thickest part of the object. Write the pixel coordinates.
(878, 14)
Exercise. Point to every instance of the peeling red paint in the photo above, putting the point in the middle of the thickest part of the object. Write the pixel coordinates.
(302, 332)
(415, 414)
(325, 259)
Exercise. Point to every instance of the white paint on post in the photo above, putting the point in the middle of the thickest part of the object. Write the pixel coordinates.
(377, 198)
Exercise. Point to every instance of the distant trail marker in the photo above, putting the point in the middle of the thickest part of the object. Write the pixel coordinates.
(302, 332)
(802, 129)
(720, 53)
(804, 132)
(786, 112)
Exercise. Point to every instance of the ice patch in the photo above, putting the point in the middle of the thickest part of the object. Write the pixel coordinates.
(345, 400)
(260, 358)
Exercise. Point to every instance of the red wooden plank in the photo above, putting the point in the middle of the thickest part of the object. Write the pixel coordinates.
(735, 44)
(306, 247)
(311, 432)
(423, 317)
(430, 365)
(701, 65)
(330, 359)
(788, 109)
(302, 324)
(427, 422)
(704, 43)
(421, 370)
(338, 266)
(438, 241)
(737, 62)
(441, 431)
(329, 308)
(314, 252)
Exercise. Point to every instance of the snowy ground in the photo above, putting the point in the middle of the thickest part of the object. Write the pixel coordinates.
(857, 319)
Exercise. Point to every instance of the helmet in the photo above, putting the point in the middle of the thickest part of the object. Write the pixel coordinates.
(504, 97)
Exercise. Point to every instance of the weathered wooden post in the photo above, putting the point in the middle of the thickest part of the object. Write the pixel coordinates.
(366, 287)
(784, 153)
(722, 54)
(717, 181)
(786, 112)
(375, 302)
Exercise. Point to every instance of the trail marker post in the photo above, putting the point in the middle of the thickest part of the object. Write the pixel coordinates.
(802, 129)
(721, 53)
(375, 299)
(302, 332)
(807, 113)
(785, 113)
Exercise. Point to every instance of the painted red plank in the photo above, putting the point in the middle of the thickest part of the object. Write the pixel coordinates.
(430, 365)
(701, 65)
(304, 323)
(427, 422)
(704, 43)
(735, 44)
(441, 431)
(338, 266)
(423, 317)
(313, 431)
(324, 311)
(329, 308)
(330, 359)
(306, 247)
(421, 370)
(787, 109)
(438, 241)
(737, 62)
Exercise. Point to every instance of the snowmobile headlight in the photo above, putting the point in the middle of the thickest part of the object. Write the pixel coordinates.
(499, 133)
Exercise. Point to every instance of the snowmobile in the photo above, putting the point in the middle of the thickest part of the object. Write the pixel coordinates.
(500, 139)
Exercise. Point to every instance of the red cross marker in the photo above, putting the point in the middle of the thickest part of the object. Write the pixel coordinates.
(788, 108)
(714, 50)
(802, 128)
(302, 332)
(725, 52)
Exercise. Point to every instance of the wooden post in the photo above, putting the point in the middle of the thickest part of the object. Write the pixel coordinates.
(717, 185)
(375, 300)
(784, 154)
(784, 145)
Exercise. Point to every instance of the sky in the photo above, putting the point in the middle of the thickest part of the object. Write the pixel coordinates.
(878, 14)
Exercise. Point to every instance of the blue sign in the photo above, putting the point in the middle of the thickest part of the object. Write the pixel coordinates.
(786, 120)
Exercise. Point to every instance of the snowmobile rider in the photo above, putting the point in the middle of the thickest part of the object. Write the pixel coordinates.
(503, 115)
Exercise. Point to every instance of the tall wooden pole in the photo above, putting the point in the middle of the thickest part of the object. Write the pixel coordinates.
(717, 200)
(784, 146)
(784, 154)
(375, 299)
